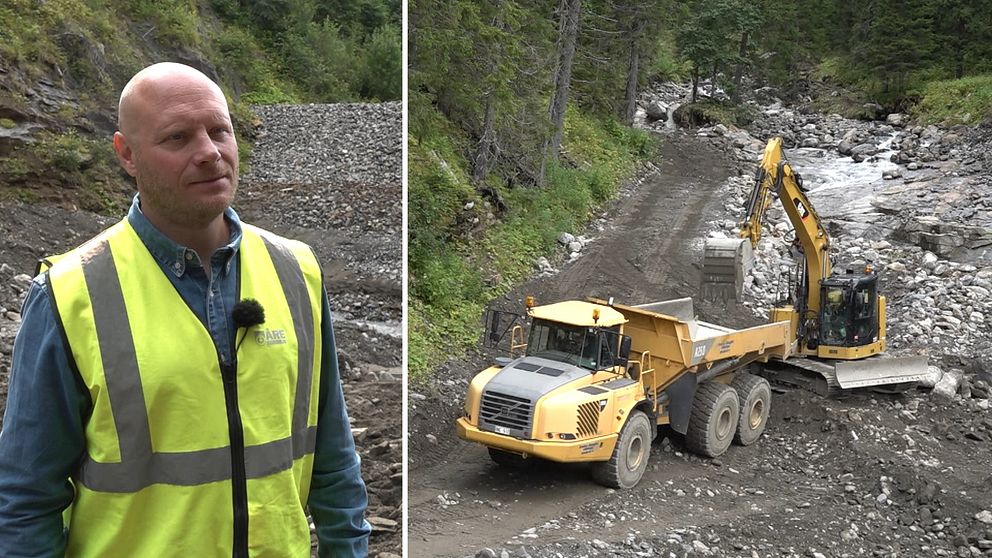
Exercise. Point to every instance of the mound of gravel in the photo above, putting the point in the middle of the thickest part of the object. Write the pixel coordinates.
(356, 143)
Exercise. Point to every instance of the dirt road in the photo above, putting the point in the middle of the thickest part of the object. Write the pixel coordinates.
(645, 254)
(863, 476)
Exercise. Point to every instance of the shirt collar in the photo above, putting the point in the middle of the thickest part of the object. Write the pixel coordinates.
(175, 257)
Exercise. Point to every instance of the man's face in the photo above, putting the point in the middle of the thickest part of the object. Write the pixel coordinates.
(178, 143)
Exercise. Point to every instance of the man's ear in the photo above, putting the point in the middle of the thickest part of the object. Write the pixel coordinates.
(125, 155)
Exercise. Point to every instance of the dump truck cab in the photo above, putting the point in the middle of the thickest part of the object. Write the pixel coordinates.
(583, 334)
(554, 401)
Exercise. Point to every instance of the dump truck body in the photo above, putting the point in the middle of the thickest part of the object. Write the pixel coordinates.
(574, 404)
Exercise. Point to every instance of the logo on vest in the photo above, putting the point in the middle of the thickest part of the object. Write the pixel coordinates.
(270, 337)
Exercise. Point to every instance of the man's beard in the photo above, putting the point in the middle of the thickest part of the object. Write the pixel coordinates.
(170, 203)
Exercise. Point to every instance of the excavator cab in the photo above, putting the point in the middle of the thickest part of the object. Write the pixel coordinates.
(849, 312)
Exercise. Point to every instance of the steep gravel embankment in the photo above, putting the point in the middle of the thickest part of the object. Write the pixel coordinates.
(331, 175)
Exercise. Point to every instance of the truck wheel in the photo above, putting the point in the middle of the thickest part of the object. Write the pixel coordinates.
(630, 456)
(755, 396)
(509, 459)
(713, 419)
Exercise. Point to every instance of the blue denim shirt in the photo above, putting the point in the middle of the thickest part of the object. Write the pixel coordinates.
(43, 435)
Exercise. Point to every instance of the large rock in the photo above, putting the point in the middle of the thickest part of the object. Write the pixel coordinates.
(947, 388)
(933, 376)
(896, 119)
(656, 110)
(864, 150)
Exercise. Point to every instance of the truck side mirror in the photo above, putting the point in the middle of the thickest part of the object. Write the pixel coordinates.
(625, 348)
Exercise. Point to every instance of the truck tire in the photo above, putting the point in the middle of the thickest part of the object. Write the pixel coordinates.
(630, 456)
(713, 419)
(755, 397)
(509, 459)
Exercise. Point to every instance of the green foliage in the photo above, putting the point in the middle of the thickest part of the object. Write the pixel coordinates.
(324, 60)
(456, 268)
(7, 123)
(666, 64)
(76, 36)
(244, 61)
(713, 112)
(173, 20)
(961, 101)
(434, 330)
(381, 74)
(307, 50)
(66, 166)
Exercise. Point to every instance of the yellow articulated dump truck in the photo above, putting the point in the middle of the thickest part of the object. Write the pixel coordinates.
(597, 378)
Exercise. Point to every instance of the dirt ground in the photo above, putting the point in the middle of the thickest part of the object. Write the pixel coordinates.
(866, 475)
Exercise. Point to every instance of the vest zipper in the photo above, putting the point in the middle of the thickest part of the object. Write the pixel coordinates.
(239, 480)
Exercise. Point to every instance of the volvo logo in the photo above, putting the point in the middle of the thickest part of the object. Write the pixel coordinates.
(505, 411)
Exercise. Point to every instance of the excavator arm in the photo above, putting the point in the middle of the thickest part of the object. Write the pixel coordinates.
(727, 262)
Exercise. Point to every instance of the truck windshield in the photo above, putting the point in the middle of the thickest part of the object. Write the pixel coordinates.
(565, 343)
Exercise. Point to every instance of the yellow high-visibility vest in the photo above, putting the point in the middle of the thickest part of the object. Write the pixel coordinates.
(158, 477)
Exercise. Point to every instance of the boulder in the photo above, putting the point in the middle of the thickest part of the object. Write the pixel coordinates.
(896, 119)
(933, 376)
(864, 149)
(656, 110)
(947, 388)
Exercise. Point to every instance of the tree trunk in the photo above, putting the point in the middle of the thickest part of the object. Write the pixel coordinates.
(959, 49)
(487, 143)
(413, 16)
(633, 71)
(713, 81)
(739, 69)
(568, 31)
(695, 82)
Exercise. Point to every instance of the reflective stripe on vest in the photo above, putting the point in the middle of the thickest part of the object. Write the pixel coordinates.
(140, 466)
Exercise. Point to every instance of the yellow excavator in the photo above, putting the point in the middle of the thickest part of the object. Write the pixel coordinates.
(837, 319)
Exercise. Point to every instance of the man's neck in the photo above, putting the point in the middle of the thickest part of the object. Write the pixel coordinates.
(204, 240)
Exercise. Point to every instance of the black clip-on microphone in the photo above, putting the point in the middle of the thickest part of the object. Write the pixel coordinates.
(247, 313)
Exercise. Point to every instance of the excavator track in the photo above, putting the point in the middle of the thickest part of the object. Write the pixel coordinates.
(811, 375)
(821, 376)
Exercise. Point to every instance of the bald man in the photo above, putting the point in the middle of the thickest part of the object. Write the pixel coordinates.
(174, 387)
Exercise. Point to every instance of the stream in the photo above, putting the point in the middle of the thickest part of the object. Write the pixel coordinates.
(840, 188)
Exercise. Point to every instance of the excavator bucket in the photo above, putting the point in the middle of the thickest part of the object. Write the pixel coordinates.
(726, 262)
(881, 371)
